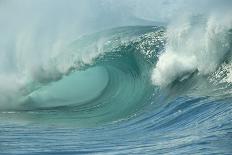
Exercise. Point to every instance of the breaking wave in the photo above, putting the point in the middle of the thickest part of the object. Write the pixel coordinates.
(161, 81)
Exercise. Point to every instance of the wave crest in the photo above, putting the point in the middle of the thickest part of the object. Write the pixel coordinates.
(199, 44)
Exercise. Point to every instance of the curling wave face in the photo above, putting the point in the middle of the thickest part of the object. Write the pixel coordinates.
(134, 81)
(102, 78)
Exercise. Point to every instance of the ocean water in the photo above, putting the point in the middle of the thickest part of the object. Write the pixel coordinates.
(110, 106)
(157, 89)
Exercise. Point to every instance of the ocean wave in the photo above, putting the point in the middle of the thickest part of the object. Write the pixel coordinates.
(95, 76)
(70, 85)
(114, 69)
(200, 44)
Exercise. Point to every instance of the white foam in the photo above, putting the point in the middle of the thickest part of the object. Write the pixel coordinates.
(193, 46)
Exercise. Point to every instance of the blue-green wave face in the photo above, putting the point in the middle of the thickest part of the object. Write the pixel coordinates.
(111, 82)
(113, 76)
(141, 86)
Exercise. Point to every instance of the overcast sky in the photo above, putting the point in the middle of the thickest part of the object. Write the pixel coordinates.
(80, 16)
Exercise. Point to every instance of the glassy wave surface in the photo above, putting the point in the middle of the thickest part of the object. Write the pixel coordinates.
(127, 90)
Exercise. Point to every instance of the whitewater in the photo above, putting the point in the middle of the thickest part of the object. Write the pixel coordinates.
(132, 77)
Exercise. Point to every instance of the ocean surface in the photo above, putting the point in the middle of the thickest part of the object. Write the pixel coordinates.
(126, 91)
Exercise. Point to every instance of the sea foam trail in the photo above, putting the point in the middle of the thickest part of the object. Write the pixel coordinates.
(195, 44)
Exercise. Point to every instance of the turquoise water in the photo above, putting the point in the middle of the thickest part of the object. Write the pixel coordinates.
(107, 103)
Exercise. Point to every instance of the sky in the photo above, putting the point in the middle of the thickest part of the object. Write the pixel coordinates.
(84, 16)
